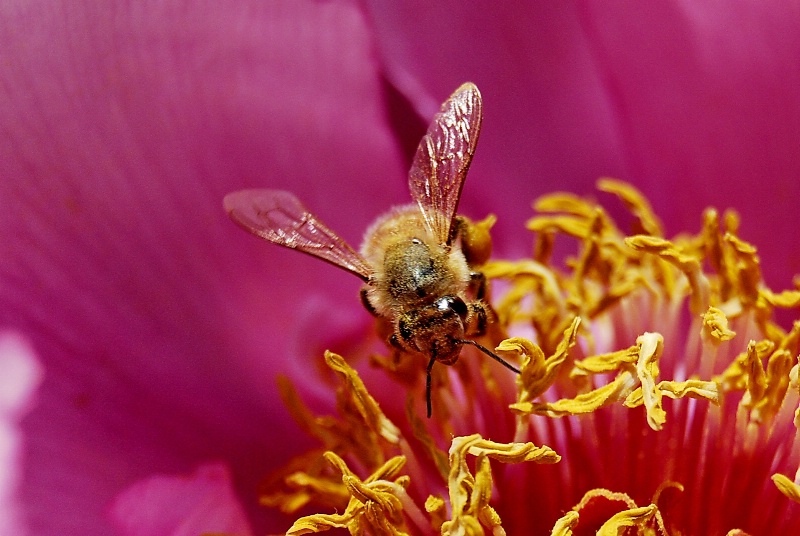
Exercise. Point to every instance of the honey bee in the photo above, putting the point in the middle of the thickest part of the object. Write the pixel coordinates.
(417, 260)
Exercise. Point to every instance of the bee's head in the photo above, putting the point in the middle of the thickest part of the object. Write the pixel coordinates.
(435, 329)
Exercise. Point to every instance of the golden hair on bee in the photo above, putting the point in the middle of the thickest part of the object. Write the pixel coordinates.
(419, 261)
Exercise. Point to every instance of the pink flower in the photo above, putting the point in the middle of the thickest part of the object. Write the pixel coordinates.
(161, 327)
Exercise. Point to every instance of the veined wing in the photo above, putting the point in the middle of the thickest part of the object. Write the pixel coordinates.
(279, 217)
(443, 157)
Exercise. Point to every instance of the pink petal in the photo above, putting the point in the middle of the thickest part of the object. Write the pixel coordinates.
(161, 324)
(181, 506)
(20, 375)
(694, 102)
(545, 127)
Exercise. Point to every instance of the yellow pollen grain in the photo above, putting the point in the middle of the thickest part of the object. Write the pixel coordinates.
(477, 239)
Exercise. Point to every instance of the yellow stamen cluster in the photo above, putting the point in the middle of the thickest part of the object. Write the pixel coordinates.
(374, 505)
(470, 494)
(637, 370)
(379, 503)
(363, 432)
(581, 359)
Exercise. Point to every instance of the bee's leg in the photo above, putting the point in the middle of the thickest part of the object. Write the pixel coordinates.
(365, 302)
(477, 284)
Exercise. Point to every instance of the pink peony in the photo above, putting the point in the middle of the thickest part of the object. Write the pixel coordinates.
(161, 327)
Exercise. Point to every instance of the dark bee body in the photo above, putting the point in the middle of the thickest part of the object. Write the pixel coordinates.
(421, 286)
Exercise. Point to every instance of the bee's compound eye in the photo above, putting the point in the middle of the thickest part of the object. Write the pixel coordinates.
(454, 303)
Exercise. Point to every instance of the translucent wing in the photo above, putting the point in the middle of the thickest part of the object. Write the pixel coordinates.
(443, 157)
(281, 218)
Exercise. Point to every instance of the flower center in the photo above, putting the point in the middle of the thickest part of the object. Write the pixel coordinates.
(651, 368)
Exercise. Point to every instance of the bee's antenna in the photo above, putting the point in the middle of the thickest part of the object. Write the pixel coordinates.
(428, 383)
(488, 352)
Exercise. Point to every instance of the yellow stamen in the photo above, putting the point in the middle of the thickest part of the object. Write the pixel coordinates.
(363, 431)
(715, 324)
(699, 389)
(438, 510)
(598, 364)
(583, 403)
(746, 371)
(652, 345)
(787, 487)
(794, 381)
(686, 263)
(786, 299)
(637, 205)
(537, 372)
(366, 406)
(635, 517)
(470, 494)
(565, 524)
